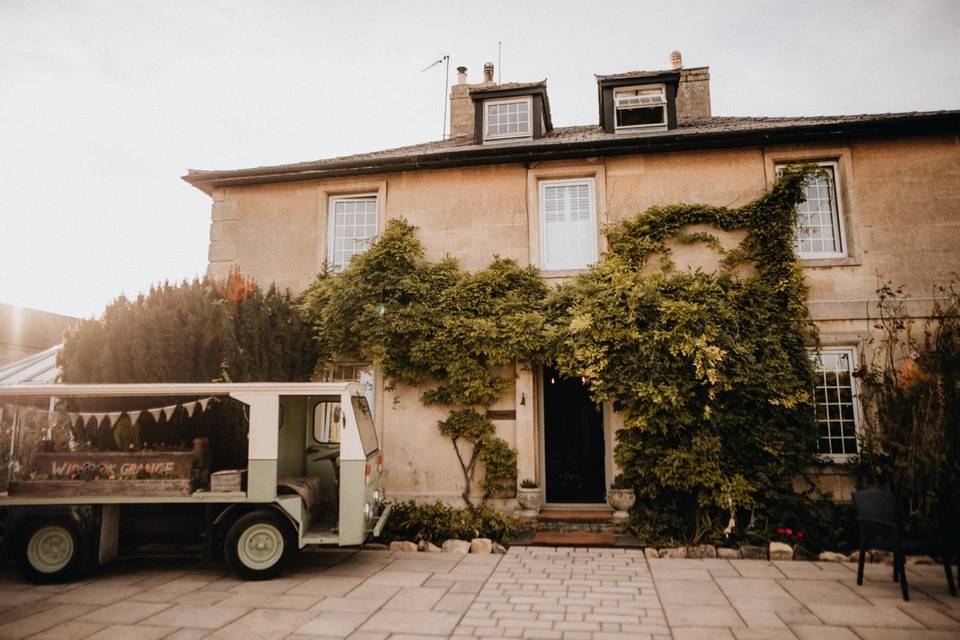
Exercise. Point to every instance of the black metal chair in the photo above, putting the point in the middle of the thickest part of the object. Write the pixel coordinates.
(950, 539)
(881, 527)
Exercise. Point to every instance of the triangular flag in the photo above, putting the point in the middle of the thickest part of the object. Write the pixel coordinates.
(155, 413)
(190, 407)
(203, 403)
(113, 417)
(169, 410)
(134, 416)
(98, 417)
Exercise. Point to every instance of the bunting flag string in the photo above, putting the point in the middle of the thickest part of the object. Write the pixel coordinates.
(80, 418)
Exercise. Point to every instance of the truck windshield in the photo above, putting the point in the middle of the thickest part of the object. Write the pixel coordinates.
(368, 435)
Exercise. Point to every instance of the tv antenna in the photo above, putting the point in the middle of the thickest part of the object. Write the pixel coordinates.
(445, 60)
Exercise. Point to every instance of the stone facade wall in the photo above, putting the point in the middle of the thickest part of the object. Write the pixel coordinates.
(899, 199)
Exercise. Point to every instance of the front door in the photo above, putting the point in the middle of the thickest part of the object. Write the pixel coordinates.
(573, 441)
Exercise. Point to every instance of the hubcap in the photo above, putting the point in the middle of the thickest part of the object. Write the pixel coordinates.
(50, 549)
(260, 546)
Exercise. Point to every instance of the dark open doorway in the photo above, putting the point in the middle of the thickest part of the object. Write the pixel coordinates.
(573, 441)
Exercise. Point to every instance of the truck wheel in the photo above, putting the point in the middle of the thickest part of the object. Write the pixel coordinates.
(51, 549)
(258, 545)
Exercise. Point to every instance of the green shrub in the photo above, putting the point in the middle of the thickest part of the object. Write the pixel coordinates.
(911, 388)
(436, 522)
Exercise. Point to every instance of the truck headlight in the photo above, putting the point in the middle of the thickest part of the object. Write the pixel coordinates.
(366, 509)
(376, 496)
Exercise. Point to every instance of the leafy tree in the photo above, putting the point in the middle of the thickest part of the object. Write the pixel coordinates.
(197, 331)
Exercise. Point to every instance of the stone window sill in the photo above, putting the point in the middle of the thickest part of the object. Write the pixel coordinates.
(822, 263)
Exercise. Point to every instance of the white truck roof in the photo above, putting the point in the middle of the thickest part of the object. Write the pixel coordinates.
(181, 389)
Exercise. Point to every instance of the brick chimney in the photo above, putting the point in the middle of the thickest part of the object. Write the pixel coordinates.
(693, 92)
(461, 107)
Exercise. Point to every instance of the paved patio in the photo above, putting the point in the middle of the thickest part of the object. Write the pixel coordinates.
(532, 592)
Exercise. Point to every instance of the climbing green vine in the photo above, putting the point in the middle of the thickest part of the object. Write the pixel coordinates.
(709, 369)
(433, 325)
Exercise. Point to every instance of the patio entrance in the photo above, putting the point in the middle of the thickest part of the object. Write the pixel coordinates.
(573, 441)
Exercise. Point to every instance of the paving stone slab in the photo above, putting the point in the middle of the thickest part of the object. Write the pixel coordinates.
(822, 632)
(702, 616)
(73, 630)
(265, 624)
(423, 622)
(863, 615)
(132, 632)
(123, 613)
(196, 616)
(41, 621)
(332, 624)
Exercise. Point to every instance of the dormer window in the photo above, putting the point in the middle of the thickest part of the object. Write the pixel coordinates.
(507, 119)
(640, 107)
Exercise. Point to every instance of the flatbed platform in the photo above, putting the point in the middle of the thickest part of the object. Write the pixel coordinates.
(195, 497)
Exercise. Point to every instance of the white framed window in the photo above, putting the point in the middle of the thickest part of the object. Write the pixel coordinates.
(568, 224)
(837, 401)
(508, 118)
(820, 228)
(352, 227)
(641, 107)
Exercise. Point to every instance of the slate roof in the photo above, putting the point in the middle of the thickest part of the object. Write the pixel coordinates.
(580, 141)
(643, 74)
(507, 86)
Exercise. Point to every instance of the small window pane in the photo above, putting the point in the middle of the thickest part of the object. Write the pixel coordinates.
(353, 228)
(818, 218)
(834, 398)
(569, 240)
(507, 119)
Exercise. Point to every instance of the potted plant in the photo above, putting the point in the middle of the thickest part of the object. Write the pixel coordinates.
(621, 497)
(528, 495)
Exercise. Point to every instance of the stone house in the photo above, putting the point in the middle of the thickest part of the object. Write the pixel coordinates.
(507, 182)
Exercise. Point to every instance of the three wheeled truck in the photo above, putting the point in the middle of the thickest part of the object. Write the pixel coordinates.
(312, 477)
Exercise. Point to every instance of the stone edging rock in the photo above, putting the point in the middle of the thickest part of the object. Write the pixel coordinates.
(775, 551)
(477, 545)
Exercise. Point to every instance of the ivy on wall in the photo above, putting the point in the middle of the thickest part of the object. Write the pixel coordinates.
(710, 369)
(438, 327)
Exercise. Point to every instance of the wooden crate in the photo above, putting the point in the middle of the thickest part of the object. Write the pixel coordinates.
(228, 480)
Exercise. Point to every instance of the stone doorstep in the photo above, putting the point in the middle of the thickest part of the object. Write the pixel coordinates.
(575, 515)
(572, 539)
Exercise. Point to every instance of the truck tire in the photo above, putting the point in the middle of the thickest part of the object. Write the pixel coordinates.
(50, 549)
(259, 544)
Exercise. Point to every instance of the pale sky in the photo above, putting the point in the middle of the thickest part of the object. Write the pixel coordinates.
(104, 105)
